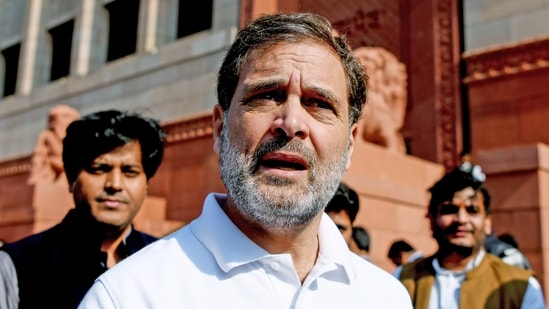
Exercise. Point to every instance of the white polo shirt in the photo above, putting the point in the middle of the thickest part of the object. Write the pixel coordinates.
(210, 263)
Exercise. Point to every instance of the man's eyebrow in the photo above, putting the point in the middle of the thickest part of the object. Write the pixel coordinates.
(470, 197)
(326, 94)
(272, 84)
(261, 86)
(99, 162)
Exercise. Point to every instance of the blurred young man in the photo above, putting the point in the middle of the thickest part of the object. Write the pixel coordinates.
(492, 244)
(361, 243)
(401, 252)
(342, 209)
(461, 274)
(109, 157)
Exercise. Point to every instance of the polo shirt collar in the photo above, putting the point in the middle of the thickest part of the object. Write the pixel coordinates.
(229, 246)
(232, 248)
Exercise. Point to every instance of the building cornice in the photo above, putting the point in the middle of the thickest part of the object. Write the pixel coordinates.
(177, 131)
(189, 128)
(506, 60)
(15, 166)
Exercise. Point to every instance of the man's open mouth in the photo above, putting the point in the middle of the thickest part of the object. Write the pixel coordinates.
(284, 165)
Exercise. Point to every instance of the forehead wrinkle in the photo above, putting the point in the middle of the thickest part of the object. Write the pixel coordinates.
(256, 54)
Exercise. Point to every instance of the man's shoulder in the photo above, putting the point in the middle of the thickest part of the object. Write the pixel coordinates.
(53, 237)
(32, 242)
(374, 274)
(34, 251)
(143, 236)
(505, 270)
(379, 286)
(419, 267)
(495, 246)
(166, 258)
(163, 249)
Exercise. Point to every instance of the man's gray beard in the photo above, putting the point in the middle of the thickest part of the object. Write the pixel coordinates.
(285, 205)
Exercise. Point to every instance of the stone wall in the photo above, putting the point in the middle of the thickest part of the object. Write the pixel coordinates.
(393, 198)
(491, 23)
(518, 178)
(508, 94)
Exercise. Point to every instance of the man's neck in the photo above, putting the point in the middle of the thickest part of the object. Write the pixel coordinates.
(455, 260)
(300, 242)
(110, 243)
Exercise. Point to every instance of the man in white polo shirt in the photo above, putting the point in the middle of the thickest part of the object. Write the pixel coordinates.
(290, 94)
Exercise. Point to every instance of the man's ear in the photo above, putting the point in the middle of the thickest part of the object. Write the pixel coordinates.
(71, 185)
(217, 123)
(488, 225)
(352, 137)
(432, 222)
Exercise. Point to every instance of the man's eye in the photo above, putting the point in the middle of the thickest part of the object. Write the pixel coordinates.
(97, 169)
(472, 209)
(276, 96)
(448, 209)
(131, 173)
(319, 103)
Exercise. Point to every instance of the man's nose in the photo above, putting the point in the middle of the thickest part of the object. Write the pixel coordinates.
(292, 119)
(462, 215)
(113, 180)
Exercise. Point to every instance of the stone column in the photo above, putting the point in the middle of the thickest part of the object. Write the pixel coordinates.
(147, 27)
(80, 62)
(27, 60)
(89, 47)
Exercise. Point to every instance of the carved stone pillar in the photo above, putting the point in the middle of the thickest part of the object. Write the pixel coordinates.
(434, 121)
